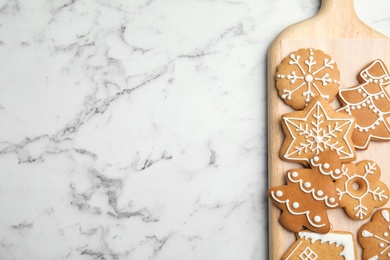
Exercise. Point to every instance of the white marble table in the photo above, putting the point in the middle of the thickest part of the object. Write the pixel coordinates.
(136, 129)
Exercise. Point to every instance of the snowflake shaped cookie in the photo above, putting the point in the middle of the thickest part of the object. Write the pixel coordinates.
(374, 236)
(360, 189)
(305, 74)
(316, 129)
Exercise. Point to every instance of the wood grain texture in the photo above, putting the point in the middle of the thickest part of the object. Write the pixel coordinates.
(336, 21)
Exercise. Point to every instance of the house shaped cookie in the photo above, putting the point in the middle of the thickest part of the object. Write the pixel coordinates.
(333, 245)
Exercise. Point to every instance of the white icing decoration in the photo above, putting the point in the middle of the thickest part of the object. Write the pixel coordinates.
(367, 234)
(294, 174)
(316, 158)
(320, 193)
(307, 184)
(291, 211)
(321, 168)
(386, 234)
(295, 205)
(320, 134)
(373, 192)
(386, 215)
(328, 202)
(314, 85)
(279, 193)
(317, 219)
(339, 239)
(370, 98)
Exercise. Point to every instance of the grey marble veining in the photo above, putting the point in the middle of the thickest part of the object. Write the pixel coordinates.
(137, 129)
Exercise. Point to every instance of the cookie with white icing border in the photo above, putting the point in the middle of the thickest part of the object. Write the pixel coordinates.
(336, 245)
(308, 195)
(369, 102)
(374, 236)
(316, 129)
(305, 74)
(360, 189)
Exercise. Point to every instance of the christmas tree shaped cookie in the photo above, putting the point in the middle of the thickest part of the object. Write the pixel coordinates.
(308, 195)
(370, 104)
(315, 129)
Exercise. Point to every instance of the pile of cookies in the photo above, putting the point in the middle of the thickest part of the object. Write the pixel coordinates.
(324, 141)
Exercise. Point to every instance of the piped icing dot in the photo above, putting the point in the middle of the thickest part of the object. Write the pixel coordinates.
(318, 139)
(375, 81)
(359, 90)
(320, 193)
(307, 184)
(295, 205)
(337, 171)
(353, 107)
(364, 95)
(332, 200)
(294, 174)
(382, 95)
(316, 158)
(326, 166)
(370, 106)
(382, 245)
(279, 193)
(376, 97)
(309, 78)
(358, 106)
(364, 105)
(386, 234)
(317, 219)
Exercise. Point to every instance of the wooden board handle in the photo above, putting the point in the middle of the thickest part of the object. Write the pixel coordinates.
(339, 13)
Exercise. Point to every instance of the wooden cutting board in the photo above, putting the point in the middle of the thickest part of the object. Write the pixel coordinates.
(337, 31)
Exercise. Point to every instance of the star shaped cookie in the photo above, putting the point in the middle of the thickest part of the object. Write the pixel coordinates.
(315, 129)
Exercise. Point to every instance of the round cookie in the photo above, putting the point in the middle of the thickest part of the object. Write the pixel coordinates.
(306, 74)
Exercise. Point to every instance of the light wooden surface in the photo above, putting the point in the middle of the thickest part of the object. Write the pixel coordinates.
(338, 31)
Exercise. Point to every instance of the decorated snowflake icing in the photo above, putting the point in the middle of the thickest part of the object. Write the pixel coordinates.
(360, 190)
(316, 129)
(374, 236)
(305, 74)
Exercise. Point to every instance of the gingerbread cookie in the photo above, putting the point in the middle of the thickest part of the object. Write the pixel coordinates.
(374, 237)
(334, 245)
(315, 129)
(360, 189)
(305, 74)
(308, 195)
(370, 104)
